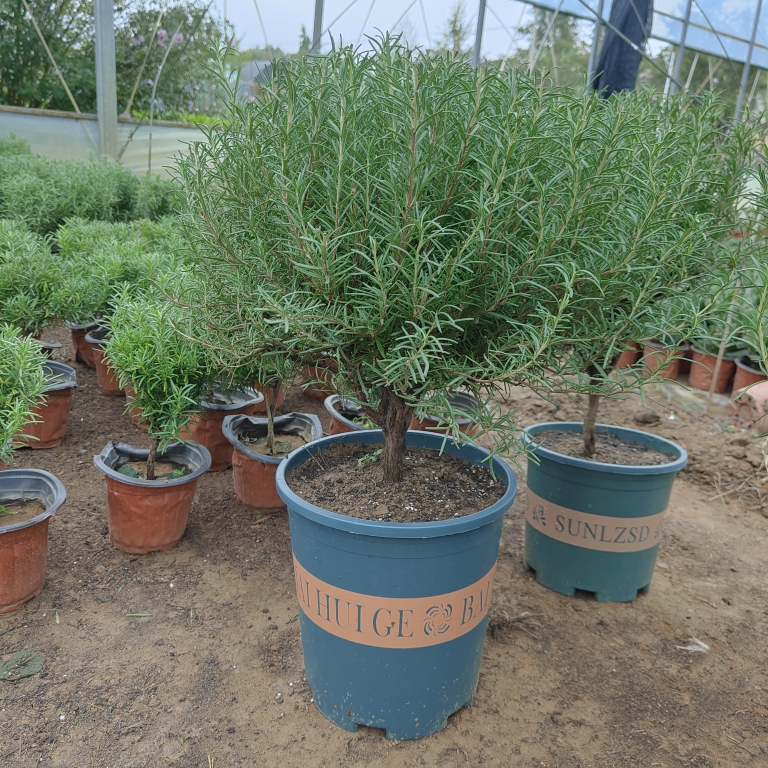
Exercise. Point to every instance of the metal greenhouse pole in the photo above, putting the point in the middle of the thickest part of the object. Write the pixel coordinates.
(479, 34)
(681, 49)
(595, 43)
(106, 77)
(747, 63)
(318, 28)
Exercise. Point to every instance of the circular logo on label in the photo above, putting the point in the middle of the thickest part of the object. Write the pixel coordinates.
(438, 619)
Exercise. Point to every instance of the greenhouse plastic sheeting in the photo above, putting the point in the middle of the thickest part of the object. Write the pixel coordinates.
(65, 135)
(720, 28)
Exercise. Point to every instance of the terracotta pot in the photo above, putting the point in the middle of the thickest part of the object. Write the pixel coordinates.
(134, 411)
(342, 415)
(205, 428)
(321, 372)
(746, 374)
(686, 355)
(629, 356)
(83, 350)
(24, 545)
(462, 402)
(254, 472)
(52, 416)
(105, 375)
(277, 402)
(656, 356)
(702, 368)
(149, 515)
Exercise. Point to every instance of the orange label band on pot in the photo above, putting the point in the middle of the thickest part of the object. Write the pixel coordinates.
(393, 622)
(600, 532)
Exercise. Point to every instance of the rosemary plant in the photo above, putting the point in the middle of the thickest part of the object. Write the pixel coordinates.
(431, 227)
(168, 373)
(22, 384)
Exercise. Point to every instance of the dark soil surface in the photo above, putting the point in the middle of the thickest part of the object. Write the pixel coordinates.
(564, 682)
(608, 449)
(348, 479)
(17, 511)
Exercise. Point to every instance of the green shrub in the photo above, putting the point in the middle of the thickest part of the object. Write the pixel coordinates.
(432, 227)
(29, 275)
(155, 197)
(22, 384)
(13, 145)
(168, 372)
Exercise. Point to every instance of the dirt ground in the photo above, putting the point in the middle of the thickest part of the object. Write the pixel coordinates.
(565, 681)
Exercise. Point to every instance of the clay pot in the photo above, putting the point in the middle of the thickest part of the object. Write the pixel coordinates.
(629, 356)
(49, 429)
(83, 350)
(702, 368)
(686, 355)
(24, 545)
(746, 374)
(342, 415)
(134, 411)
(205, 428)
(150, 515)
(277, 401)
(656, 356)
(254, 472)
(461, 402)
(321, 372)
(105, 375)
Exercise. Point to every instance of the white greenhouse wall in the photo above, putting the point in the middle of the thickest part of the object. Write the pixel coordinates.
(64, 135)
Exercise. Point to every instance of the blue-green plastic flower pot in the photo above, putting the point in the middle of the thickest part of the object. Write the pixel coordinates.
(393, 615)
(594, 526)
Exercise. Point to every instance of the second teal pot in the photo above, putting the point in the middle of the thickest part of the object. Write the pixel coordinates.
(593, 526)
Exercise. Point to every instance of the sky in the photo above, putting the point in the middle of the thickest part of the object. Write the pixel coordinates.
(283, 19)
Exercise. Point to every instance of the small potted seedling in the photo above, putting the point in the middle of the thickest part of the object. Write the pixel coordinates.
(150, 491)
(28, 497)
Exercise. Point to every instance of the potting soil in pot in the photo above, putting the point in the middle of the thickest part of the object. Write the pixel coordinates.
(19, 510)
(284, 444)
(348, 480)
(609, 449)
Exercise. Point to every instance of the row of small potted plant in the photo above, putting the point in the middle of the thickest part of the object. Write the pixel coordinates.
(408, 232)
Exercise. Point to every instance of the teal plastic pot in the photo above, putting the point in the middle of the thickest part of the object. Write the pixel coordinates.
(393, 615)
(594, 526)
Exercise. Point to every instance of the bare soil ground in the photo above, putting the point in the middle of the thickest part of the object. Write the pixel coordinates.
(565, 682)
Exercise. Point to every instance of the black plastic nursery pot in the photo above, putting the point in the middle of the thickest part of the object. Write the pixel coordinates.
(393, 615)
(24, 544)
(594, 526)
(253, 472)
(150, 515)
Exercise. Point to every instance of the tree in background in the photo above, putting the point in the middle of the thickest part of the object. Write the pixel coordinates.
(28, 79)
(456, 32)
(562, 48)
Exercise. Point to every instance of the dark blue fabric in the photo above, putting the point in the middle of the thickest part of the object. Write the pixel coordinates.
(618, 62)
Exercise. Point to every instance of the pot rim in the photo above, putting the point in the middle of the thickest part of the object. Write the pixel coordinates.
(231, 423)
(701, 352)
(90, 325)
(682, 346)
(54, 484)
(330, 404)
(141, 454)
(625, 433)
(461, 421)
(91, 337)
(68, 374)
(250, 397)
(388, 530)
(748, 368)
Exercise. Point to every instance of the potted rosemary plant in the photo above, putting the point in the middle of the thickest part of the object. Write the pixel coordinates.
(28, 497)
(659, 190)
(391, 212)
(150, 492)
